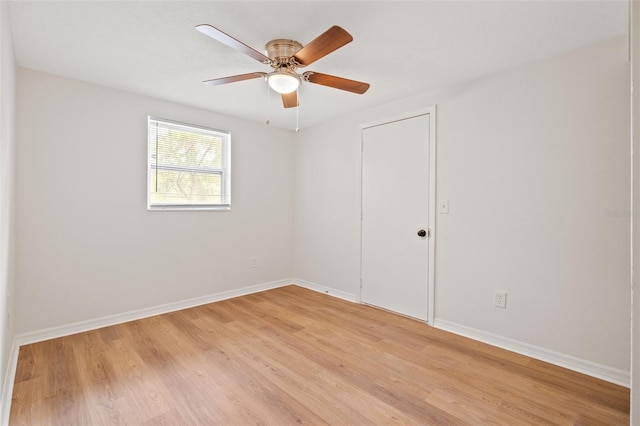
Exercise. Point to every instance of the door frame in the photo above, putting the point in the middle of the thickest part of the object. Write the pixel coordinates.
(431, 220)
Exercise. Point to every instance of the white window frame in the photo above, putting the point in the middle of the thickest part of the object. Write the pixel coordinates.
(224, 171)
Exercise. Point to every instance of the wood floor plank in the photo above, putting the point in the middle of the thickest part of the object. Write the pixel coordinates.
(294, 356)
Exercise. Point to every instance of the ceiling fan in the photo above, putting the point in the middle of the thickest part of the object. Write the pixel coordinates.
(285, 57)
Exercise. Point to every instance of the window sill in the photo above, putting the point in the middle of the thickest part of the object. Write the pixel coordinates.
(188, 208)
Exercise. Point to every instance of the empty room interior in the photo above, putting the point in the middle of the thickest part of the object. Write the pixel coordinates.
(319, 212)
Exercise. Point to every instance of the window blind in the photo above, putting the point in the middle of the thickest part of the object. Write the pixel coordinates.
(189, 166)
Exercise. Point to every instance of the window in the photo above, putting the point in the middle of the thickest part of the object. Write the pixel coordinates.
(189, 167)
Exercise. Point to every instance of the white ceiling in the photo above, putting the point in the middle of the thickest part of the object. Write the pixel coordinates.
(400, 48)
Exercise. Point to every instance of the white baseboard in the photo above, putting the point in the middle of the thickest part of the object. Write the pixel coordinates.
(82, 326)
(609, 374)
(79, 327)
(326, 290)
(7, 388)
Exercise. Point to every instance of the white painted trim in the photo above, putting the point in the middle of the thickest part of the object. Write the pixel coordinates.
(613, 375)
(326, 290)
(431, 289)
(403, 116)
(431, 279)
(82, 326)
(79, 327)
(7, 388)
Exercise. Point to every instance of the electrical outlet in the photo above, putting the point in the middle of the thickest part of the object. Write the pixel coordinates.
(500, 299)
(254, 262)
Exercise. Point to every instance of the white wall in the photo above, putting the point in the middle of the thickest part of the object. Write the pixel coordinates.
(635, 209)
(7, 147)
(86, 245)
(535, 163)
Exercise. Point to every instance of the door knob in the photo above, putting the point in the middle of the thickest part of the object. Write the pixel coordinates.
(422, 233)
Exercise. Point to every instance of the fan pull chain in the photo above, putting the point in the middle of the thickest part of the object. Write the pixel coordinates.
(298, 109)
(268, 102)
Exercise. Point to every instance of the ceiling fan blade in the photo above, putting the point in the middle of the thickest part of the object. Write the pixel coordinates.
(336, 82)
(290, 100)
(233, 78)
(226, 39)
(332, 39)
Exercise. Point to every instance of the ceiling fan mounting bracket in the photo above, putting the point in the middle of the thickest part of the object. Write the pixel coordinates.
(281, 52)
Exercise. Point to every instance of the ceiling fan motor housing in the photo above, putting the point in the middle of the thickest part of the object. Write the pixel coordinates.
(281, 51)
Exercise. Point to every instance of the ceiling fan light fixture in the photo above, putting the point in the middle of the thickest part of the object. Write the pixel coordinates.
(283, 81)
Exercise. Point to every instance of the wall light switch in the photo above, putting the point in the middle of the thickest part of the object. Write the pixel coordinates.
(443, 206)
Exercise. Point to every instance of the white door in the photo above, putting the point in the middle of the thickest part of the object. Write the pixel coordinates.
(395, 208)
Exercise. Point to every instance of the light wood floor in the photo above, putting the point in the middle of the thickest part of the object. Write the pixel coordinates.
(293, 356)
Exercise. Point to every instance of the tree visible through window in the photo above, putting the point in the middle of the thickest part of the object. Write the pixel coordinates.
(189, 167)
